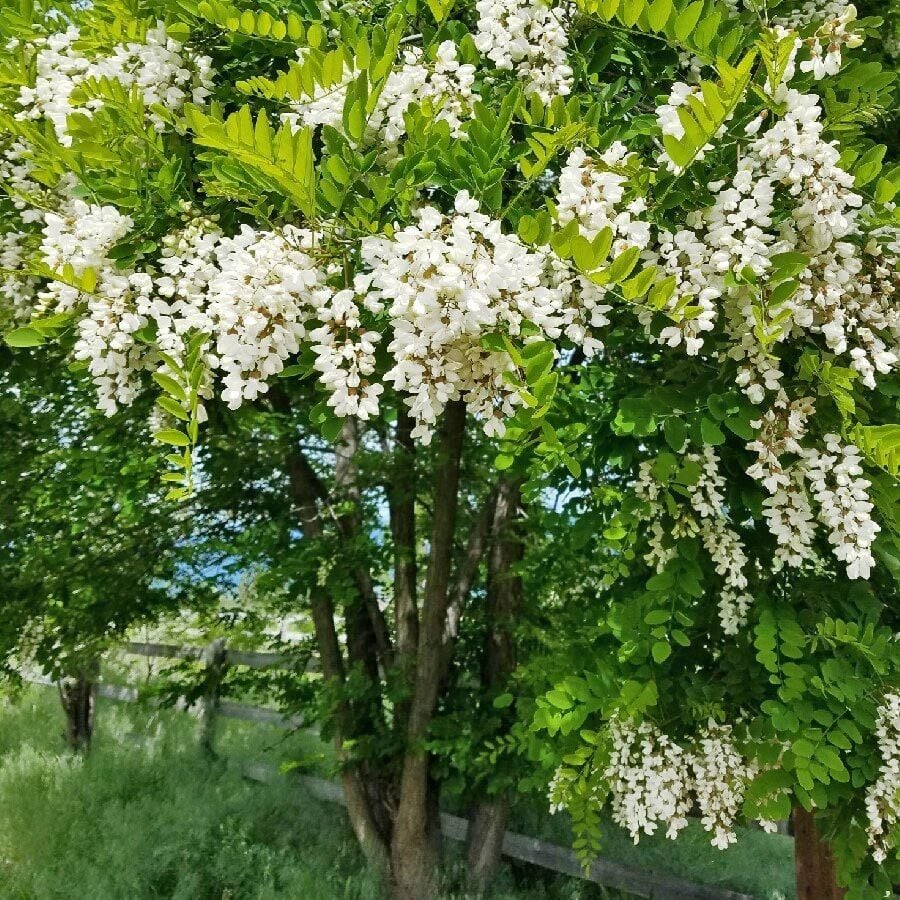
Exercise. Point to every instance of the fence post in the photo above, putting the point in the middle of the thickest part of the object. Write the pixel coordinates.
(215, 661)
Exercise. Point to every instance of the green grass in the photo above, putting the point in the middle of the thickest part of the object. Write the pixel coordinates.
(759, 864)
(147, 816)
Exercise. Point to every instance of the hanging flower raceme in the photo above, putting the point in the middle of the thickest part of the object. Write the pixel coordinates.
(529, 37)
(703, 516)
(883, 797)
(446, 283)
(161, 69)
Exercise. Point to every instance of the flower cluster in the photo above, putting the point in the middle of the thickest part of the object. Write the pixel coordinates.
(345, 352)
(160, 68)
(445, 83)
(77, 241)
(883, 797)
(447, 282)
(787, 509)
(704, 516)
(655, 782)
(592, 190)
(251, 293)
(81, 235)
(844, 505)
(846, 291)
(18, 290)
(530, 37)
(649, 780)
(835, 34)
(834, 477)
(720, 775)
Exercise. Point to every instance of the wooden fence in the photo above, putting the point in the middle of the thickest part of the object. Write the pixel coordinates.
(216, 658)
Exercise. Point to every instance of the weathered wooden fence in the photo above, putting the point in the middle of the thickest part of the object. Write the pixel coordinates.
(217, 658)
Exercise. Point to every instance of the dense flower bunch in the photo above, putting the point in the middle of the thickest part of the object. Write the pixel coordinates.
(592, 191)
(529, 37)
(655, 782)
(159, 67)
(77, 240)
(704, 516)
(835, 479)
(447, 282)
(883, 797)
(649, 779)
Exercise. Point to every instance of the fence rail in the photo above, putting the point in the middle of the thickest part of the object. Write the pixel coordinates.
(605, 872)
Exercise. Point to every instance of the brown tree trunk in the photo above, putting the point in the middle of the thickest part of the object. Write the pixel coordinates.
(416, 840)
(484, 841)
(813, 860)
(308, 492)
(78, 694)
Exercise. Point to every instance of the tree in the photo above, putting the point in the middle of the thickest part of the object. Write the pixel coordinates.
(87, 545)
(414, 274)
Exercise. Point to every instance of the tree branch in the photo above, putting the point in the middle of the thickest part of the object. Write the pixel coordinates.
(402, 500)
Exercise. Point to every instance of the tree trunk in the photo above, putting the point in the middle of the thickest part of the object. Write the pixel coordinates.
(308, 492)
(78, 694)
(416, 840)
(402, 500)
(484, 841)
(214, 656)
(813, 860)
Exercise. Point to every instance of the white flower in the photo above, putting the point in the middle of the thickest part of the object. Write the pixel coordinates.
(159, 67)
(883, 797)
(528, 36)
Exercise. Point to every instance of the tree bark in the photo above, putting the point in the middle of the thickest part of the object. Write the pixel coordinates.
(308, 493)
(402, 501)
(78, 695)
(214, 657)
(484, 839)
(813, 860)
(415, 846)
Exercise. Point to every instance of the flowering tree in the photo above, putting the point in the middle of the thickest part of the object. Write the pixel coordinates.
(443, 234)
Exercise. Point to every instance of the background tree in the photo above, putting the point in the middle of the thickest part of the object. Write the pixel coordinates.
(88, 548)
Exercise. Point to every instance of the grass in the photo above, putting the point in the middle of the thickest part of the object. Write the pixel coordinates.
(758, 864)
(147, 816)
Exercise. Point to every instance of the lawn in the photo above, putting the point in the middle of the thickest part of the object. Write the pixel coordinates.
(147, 816)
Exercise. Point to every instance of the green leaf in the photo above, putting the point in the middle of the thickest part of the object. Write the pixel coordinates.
(170, 386)
(172, 436)
(503, 701)
(559, 699)
(687, 19)
(658, 14)
(657, 616)
(675, 433)
(661, 651)
(173, 408)
(24, 337)
(622, 265)
(786, 265)
(711, 433)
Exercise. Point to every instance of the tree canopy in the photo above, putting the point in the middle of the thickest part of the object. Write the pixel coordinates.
(547, 353)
